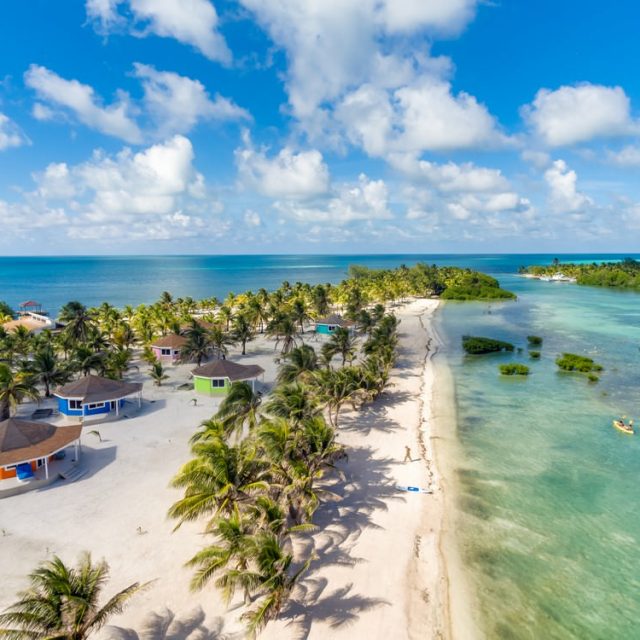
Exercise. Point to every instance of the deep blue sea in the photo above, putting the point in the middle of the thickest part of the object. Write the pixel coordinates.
(123, 280)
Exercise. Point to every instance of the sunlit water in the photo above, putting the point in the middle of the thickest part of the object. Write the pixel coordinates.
(549, 517)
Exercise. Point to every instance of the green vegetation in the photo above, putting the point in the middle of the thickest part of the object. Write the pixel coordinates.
(581, 364)
(592, 377)
(534, 341)
(63, 602)
(476, 345)
(514, 369)
(621, 275)
(534, 355)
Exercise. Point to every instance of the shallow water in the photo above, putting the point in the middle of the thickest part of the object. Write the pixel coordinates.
(548, 514)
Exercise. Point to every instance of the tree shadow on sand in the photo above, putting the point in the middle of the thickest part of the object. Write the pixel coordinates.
(339, 608)
(165, 625)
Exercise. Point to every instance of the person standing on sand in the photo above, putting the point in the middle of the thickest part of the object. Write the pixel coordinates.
(407, 455)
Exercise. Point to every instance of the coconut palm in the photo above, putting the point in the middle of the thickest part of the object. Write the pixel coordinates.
(78, 319)
(220, 340)
(294, 402)
(299, 363)
(118, 362)
(242, 331)
(239, 407)
(229, 558)
(274, 576)
(157, 373)
(321, 300)
(343, 342)
(299, 312)
(198, 345)
(47, 369)
(14, 388)
(63, 603)
(217, 479)
(336, 388)
(284, 330)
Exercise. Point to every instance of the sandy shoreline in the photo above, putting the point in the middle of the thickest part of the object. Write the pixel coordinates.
(387, 565)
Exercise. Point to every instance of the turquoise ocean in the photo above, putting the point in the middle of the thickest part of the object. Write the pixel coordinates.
(548, 508)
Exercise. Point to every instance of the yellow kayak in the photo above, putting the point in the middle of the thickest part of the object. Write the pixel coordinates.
(621, 425)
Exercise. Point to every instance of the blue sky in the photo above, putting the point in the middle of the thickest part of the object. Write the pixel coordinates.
(321, 126)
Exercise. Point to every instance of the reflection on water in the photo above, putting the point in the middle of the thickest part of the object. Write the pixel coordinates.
(549, 491)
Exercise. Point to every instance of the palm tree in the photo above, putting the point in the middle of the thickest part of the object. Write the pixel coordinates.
(336, 388)
(299, 363)
(78, 319)
(14, 388)
(274, 577)
(117, 362)
(242, 331)
(321, 300)
(300, 313)
(239, 407)
(343, 342)
(63, 603)
(294, 402)
(284, 330)
(217, 479)
(157, 373)
(198, 345)
(47, 369)
(220, 340)
(231, 554)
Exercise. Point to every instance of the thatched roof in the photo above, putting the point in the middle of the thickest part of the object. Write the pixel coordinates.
(22, 440)
(170, 341)
(228, 369)
(97, 389)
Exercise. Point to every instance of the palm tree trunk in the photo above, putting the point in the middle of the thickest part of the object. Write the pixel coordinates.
(5, 410)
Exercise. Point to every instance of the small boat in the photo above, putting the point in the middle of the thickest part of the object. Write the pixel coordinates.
(621, 425)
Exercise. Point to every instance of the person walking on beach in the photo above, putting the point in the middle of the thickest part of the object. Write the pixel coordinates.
(407, 454)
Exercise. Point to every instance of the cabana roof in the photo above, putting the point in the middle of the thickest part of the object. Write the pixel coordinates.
(22, 440)
(228, 369)
(97, 389)
(334, 319)
(29, 303)
(171, 341)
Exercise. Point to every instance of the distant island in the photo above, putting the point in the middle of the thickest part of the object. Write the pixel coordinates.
(621, 275)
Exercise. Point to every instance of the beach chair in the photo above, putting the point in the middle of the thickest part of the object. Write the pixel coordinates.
(24, 472)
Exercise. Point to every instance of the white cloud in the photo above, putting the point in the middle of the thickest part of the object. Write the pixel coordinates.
(192, 22)
(289, 174)
(176, 103)
(21, 217)
(10, 133)
(252, 218)
(573, 114)
(451, 177)
(564, 196)
(342, 80)
(56, 182)
(366, 200)
(81, 100)
(447, 16)
(628, 156)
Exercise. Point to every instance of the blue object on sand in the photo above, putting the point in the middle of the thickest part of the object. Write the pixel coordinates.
(24, 471)
(413, 489)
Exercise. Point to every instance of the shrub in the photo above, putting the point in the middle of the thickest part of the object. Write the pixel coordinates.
(514, 369)
(573, 362)
(534, 341)
(592, 377)
(534, 355)
(476, 345)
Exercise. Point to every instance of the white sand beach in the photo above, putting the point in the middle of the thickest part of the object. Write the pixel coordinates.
(380, 571)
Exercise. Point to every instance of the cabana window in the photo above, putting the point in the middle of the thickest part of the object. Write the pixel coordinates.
(217, 383)
(75, 404)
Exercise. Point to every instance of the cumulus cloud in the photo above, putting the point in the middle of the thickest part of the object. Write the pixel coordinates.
(289, 174)
(10, 133)
(81, 100)
(176, 103)
(192, 22)
(564, 196)
(366, 200)
(171, 104)
(342, 83)
(573, 114)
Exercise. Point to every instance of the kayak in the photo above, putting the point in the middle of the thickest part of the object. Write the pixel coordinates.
(620, 425)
